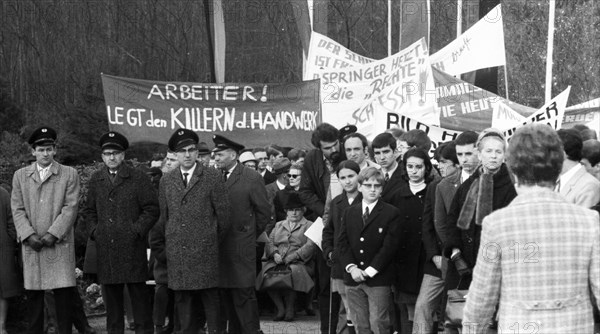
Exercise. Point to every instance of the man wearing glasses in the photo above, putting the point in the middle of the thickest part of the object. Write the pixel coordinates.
(194, 220)
(120, 209)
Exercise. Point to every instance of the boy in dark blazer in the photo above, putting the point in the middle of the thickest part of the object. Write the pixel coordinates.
(368, 243)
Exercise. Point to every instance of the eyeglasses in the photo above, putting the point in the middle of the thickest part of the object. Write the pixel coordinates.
(187, 150)
(111, 154)
(293, 176)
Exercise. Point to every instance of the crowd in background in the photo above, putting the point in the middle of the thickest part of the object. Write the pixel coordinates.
(404, 226)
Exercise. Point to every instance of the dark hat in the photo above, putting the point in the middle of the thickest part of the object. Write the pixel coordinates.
(346, 130)
(42, 136)
(182, 138)
(291, 200)
(203, 148)
(114, 140)
(222, 143)
(281, 165)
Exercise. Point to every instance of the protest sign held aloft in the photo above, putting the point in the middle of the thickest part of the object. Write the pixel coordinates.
(255, 114)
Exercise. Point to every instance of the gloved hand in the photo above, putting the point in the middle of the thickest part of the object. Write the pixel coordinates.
(35, 242)
(277, 258)
(49, 240)
(461, 265)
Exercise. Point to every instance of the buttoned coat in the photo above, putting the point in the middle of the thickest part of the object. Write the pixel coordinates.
(10, 283)
(249, 217)
(410, 259)
(194, 219)
(119, 213)
(332, 229)
(432, 243)
(540, 259)
(291, 242)
(582, 189)
(46, 206)
(371, 244)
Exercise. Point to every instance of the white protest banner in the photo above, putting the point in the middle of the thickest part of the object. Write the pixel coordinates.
(551, 114)
(315, 232)
(402, 83)
(479, 47)
(587, 113)
(325, 53)
(504, 117)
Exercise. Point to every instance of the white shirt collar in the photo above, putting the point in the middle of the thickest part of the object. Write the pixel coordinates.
(464, 175)
(370, 206)
(391, 171)
(190, 172)
(280, 185)
(231, 170)
(568, 175)
(40, 168)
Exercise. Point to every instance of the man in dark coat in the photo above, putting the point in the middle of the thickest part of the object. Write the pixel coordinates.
(194, 218)
(384, 146)
(121, 208)
(318, 180)
(237, 273)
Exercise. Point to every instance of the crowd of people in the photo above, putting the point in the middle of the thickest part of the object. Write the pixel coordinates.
(512, 223)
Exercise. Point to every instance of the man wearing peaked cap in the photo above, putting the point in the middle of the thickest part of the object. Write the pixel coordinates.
(195, 209)
(222, 143)
(203, 154)
(182, 138)
(120, 210)
(237, 273)
(44, 204)
(42, 136)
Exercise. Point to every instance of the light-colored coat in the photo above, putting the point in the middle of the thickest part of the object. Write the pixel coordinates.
(540, 258)
(46, 206)
(582, 189)
(291, 243)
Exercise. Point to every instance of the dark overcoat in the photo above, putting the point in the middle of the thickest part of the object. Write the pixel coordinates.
(332, 229)
(10, 283)
(468, 240)
(249, 216)
(192, 221)
(411, 253)
(119, 215)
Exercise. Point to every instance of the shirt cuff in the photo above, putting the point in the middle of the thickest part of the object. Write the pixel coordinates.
(371, 271)
(350, 267)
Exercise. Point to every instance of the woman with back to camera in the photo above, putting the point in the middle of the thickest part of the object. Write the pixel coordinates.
(540, 256)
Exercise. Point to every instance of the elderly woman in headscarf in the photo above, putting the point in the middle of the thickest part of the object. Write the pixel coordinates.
(488, 189)
(289, 246)
(540, 256)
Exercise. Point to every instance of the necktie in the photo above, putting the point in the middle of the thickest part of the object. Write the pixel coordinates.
(387, 177)
(112, 176)
(225, 173)
(557, 187)
(185, 179)
(365, 216)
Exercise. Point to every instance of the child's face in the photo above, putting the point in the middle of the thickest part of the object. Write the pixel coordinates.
(370, 190)
(349, 179)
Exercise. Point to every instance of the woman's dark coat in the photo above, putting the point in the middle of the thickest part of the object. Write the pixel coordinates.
(10, 282)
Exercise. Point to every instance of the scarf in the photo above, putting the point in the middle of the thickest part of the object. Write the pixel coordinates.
(416, 187)
(479, 201)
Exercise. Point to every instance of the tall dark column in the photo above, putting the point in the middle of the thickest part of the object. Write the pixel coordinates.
(487, 78)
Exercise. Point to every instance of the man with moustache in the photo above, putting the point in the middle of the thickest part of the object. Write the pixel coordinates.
(120, 209)
(318, 180)
(237, 252)
(44, 203)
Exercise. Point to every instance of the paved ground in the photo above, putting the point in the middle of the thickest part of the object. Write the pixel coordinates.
(301, 325)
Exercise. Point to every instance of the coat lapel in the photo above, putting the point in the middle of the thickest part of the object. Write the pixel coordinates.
(373, 215)
(235, 175)
(193, 180)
